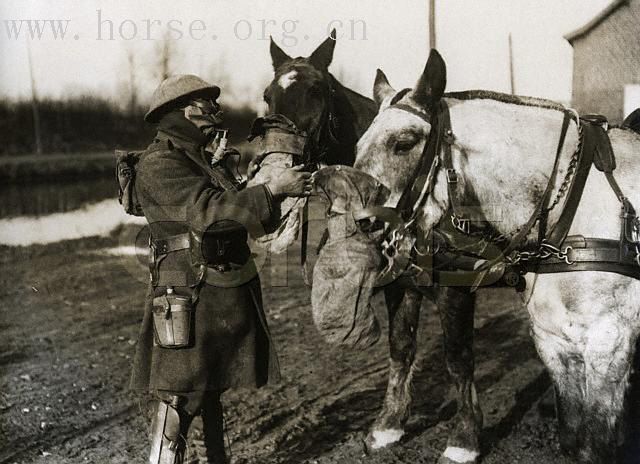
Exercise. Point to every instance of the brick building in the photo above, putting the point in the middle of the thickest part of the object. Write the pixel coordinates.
(606, 62)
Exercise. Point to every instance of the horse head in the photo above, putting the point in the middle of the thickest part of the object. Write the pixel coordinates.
(306, 93)
(323, 120)
(392, 148)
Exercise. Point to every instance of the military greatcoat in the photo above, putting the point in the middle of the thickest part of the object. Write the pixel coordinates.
(232, 346)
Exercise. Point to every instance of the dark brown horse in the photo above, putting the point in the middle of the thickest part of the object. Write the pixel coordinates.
(331, 116)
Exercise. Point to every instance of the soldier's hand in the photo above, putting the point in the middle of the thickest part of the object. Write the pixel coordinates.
(293, 182)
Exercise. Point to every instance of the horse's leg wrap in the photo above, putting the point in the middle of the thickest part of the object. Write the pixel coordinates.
(167, 443)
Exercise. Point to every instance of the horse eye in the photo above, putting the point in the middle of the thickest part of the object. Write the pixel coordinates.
(406, 143)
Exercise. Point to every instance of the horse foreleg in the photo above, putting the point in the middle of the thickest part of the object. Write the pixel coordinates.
(404, 310)
(456, 307)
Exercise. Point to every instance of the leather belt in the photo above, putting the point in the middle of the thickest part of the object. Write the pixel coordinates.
(170, 244)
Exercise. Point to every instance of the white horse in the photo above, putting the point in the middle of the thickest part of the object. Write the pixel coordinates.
(503, 148)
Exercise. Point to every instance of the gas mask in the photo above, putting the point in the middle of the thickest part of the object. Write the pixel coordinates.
(344, 276)
(204, 114)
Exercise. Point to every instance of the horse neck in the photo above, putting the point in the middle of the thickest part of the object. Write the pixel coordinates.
(354, 113)
(504, 154)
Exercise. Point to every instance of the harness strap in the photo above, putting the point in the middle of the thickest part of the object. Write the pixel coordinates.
(591, 254)
(559, 232)
(522, 234)
(412, 110)
(544, 217)
(388, 215)
(447, 162)
(615, 187)
(304, 241)
(424, 178)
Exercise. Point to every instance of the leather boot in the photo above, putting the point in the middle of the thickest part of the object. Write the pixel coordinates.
(206, 438)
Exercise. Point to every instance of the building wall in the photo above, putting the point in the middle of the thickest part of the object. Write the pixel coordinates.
(605, 59)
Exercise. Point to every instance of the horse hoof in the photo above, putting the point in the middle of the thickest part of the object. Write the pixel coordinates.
(456, 455)
(378, 439)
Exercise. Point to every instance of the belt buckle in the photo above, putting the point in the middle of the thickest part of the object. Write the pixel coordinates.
(452, 176)
(221, 268)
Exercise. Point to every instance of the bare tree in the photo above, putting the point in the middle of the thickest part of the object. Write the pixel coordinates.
(218, 75)
(165, 56)
(133, 90)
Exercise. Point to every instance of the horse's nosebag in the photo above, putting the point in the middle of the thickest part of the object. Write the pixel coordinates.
(345, 273)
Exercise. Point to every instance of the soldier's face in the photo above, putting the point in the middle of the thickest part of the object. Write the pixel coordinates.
(204, 114)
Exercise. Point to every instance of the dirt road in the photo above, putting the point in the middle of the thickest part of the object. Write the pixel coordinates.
(70, 314)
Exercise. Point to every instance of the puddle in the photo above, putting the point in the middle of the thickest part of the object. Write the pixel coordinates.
(94, 219)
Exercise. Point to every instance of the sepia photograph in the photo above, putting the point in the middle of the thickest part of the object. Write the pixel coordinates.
(320, 232)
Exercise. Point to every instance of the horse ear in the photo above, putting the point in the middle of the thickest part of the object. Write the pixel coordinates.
(431, 85)
(278, 56)
(323, 55)
(381, 88)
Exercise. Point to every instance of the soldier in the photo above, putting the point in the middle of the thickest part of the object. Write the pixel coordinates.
(204, 330)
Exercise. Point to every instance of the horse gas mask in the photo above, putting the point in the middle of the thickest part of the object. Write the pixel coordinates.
(349, 264)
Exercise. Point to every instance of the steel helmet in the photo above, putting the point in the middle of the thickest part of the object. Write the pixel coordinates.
(176, 87)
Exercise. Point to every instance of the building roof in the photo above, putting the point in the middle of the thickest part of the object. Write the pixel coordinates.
(604, 14)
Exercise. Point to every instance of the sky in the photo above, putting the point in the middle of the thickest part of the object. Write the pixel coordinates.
(227, 41)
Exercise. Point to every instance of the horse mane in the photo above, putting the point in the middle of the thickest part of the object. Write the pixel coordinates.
(506, 98)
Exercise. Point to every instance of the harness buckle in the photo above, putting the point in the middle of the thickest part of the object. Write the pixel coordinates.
(461, 224)
(452, 176)
(449, 138)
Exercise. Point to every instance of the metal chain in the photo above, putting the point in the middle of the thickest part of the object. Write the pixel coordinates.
(463, 225)
(636, 237)
(545, 251)
(571, 169)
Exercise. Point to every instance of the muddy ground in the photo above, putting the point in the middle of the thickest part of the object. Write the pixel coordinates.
(70, 315)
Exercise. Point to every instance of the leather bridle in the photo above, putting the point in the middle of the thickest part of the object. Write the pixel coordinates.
(547, 254)
(325, 136)
(437, 154)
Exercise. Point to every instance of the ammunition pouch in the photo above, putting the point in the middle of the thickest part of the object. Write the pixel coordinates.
(159, 249)
(223, 245)
(173, 320)
(167, 444)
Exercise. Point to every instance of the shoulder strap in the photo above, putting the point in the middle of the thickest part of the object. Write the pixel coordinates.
(201, 162)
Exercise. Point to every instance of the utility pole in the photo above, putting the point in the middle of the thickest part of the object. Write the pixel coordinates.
(34, 103)
(432, 24)
(512, 77)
